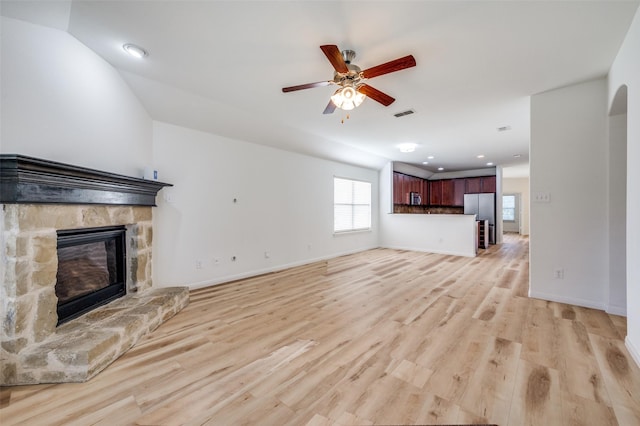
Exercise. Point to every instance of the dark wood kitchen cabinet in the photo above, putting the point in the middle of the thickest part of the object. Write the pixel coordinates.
(451, 192)
(403, 185)
(442, 192)
(424, 191)
(404, 189)
(488, 184)
(459, 186)
(435, 192)
(473, 185)
(397, 188)
(447, 192)
(477, 185)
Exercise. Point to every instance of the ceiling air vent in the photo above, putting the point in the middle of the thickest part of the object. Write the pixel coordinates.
(403, 113)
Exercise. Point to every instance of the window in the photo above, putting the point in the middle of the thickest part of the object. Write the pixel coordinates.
(509, 208)
(351, 205)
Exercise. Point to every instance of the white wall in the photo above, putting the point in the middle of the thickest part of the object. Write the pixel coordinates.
(62, 102)
(626, 71)
(519, 186)
(617, 296)
(569, 161)
(499, 192)
(284, 207)
(411, 170)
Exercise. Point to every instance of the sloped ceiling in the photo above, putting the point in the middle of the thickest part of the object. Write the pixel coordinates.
(219, 66)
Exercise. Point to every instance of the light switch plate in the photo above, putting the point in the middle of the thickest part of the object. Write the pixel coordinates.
(542, 197)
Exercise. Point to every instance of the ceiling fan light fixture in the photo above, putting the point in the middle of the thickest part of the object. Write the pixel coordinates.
(347, 98)
(349, 94)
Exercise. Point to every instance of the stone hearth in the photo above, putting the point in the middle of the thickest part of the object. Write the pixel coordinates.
(32, 349)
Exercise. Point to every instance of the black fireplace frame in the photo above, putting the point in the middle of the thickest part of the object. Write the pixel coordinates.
(83, 304)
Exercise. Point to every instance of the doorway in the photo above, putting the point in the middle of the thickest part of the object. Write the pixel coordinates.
(511, 213)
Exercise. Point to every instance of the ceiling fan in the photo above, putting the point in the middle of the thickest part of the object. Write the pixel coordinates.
(351, 79)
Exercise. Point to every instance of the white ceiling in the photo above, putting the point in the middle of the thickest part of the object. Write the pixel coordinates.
(219, 66)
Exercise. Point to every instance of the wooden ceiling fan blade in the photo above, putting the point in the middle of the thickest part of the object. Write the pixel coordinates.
(391, 66)
(376, 95)
(335, 57)
(330, 108)
(305, 86)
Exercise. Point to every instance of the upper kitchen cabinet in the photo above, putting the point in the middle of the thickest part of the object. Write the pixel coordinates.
(459, 186)
(435, 193)
(424, 185)
(404, 185)
(447, 192)
(397, 188)
(472, 185)
(488, 184)
(481, 184)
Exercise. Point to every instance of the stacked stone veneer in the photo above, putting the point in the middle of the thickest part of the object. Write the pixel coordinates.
(32, 349)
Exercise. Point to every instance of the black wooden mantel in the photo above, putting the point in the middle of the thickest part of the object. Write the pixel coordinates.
(28, 180)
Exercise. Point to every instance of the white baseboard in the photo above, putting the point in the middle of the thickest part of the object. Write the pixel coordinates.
(617, 310)
(610, 309)
(568, 300)
(256, 272)
(635, 354)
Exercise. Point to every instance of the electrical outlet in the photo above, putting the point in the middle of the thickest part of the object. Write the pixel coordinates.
(233, 258)
(198, 264)
(558, 273)
(266, 255)
(215, 261)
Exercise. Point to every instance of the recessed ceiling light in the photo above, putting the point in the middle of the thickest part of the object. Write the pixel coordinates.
(489, 164)
(431, 157)
(135, 51)
(425, 162)
(516, 156)
(407, 147)
(480, 156)
(440, 168)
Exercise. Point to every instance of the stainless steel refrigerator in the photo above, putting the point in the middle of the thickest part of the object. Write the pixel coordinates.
(484, 206)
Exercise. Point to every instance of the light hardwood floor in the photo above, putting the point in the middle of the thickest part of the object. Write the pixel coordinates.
(379, 337)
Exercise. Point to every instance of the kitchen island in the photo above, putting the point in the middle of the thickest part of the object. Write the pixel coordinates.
(454, 234)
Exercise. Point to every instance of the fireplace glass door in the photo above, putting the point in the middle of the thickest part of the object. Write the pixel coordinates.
(91, 269)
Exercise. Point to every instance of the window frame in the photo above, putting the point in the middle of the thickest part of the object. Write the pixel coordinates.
(509, 208)
(353, 229)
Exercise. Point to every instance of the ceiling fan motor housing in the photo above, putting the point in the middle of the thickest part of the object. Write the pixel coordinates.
(351, 78)
(348, 55)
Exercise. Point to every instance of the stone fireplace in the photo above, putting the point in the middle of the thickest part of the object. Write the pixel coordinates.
(39, 199)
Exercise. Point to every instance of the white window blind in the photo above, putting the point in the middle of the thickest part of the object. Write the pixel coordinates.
(509, 208)
(351, 205)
